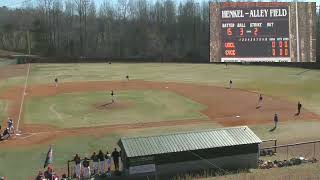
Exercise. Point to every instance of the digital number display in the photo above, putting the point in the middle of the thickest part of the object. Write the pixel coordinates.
(255, 32)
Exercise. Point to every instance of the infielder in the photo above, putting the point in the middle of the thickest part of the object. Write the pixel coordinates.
(56, 81)
(260, 101)
(230, 84)
(299, 108)
(275, 119)
(112, 96)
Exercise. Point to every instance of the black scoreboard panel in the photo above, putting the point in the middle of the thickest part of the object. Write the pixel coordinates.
(250, 33)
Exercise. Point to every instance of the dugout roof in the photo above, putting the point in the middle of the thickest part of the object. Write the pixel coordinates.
(188, 141)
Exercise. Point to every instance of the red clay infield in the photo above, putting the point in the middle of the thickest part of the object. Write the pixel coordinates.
(223, 105)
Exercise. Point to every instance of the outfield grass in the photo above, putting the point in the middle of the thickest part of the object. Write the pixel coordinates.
(284, 82)
(276, 81)
(84, 109)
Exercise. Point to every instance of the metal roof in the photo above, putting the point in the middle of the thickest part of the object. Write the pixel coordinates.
(188, 141)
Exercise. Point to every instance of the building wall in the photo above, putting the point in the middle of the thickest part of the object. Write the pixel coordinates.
(244, 161)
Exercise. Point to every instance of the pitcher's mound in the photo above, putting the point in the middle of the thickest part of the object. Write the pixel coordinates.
(113, 105)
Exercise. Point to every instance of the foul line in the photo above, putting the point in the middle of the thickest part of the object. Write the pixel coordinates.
(55, 112)
(22, 99)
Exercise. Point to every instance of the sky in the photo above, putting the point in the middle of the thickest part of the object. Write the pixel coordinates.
(19, 3)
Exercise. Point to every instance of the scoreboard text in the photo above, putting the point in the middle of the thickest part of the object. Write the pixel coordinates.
(253, 33)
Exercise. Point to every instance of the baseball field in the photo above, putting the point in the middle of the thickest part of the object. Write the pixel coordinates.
(77, 116)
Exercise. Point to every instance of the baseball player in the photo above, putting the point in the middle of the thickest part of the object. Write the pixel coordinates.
(77, 167)
(230, 84)
(101, 163)
(95, 160)
(86, 168)
(56, 81)
(275, 119)
(299, 108)
(260, 101)
(10, 126)
(127, 77)
(112, 96)
(108, 163)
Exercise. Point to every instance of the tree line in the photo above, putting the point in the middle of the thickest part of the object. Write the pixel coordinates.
(121, 29)
(162, 29)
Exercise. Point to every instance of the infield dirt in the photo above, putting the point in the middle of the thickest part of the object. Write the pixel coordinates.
(227, 107)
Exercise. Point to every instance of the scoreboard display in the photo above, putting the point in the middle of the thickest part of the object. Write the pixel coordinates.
(255, 34)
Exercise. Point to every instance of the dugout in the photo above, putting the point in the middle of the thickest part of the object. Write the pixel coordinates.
(225, 148)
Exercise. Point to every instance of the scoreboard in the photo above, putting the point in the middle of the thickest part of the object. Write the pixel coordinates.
(255, 33)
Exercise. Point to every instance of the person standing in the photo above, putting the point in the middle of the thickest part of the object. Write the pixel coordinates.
(10, 126)
(299, 108)
(108, 163)
(275, 119)
(95, 160)
(86, 168)
(127, 76)
(230, 84)
(56, 81)
(260, 101)
(112, 96)
(115, 155)
(101, 162)
(77, 168)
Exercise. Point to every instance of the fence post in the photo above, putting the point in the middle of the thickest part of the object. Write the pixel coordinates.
(314, 150)
(68, 168)
(275, 144)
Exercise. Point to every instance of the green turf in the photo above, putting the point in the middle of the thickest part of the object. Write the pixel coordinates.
(84, 109)
(27, 161)
(3, 110)
(285, 82)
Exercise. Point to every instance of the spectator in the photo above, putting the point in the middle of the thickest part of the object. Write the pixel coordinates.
(48, 173)
(95, 160)
(64, 177)
(115, 156)
(108, 163)
(86, 168)
(40, 176)
(101, 163)
(77, 167)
